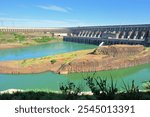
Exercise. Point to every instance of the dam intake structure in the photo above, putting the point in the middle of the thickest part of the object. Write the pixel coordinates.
(117, 34)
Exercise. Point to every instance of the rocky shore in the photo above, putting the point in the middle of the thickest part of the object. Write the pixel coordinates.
(108, 58)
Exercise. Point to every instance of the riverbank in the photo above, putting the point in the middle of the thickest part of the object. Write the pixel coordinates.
(24, 44)
(18, 40)
(8, 46)
(38, 65)
(79, 61)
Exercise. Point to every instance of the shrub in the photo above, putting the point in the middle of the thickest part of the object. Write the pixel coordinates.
(53, 61)
(1, 33)
(24, 61)
(146, 85)
(101, 89)
(43, 39)
(131, 92)
(132, 88)
(70, 90)
(19, 37)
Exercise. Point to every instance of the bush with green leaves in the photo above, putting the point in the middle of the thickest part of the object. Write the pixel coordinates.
(19, 37)
(43, 39)
(131, 91)
(53, 61)
(100, 88)
(70, 90)
(146, 85)
(1, 33)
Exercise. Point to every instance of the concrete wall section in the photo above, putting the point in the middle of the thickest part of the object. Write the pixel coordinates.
(97, 41)
(122, 34)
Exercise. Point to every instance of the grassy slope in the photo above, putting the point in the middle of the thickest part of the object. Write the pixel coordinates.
(41, 64)
(147, 48)
(18, 38)
(66, 57)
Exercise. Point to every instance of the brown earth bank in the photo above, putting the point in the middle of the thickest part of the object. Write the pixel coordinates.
(109, 58)
(7, 46)
(102, 58)
(21, 45)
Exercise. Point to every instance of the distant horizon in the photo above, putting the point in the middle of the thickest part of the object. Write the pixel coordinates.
(77, 26)
(73, 13)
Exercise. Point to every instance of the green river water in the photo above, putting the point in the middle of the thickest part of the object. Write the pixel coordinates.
(51, 81)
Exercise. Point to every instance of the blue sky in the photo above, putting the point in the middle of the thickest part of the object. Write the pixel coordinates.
(64, 13)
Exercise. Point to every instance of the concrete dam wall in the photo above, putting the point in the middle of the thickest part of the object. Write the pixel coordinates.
(119, 34)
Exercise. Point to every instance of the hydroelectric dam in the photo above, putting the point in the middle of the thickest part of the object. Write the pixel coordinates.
(114, 34)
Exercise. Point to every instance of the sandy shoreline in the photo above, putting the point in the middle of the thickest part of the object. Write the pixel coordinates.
(8, 46)
(25, 44)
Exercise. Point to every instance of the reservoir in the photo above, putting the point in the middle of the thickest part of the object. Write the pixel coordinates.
(52, 81)
(41, 50)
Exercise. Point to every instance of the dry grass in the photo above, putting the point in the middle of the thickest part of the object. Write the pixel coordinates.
(66, 57)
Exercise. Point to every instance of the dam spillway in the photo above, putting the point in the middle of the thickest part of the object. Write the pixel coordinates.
(117, 34)
(97, 41)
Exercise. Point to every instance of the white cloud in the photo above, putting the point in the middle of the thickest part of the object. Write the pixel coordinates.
(55, 8)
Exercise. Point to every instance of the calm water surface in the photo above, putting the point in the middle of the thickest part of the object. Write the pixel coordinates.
(41, 50)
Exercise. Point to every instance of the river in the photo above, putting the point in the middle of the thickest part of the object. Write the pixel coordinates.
(52, 81)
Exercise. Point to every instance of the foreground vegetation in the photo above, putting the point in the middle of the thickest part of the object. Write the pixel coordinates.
(101, 89)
